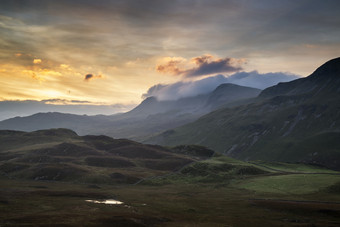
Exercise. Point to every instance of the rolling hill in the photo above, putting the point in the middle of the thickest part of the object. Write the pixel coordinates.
(62, 155)
(297, 121)
(57, 178)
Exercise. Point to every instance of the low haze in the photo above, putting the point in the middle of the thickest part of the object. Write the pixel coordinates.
(10, 109)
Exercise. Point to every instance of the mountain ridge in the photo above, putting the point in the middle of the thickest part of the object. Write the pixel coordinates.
(297, 121)
(320, 79)
(150, 117)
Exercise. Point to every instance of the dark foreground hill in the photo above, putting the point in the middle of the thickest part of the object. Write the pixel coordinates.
(62, 155)
(57, 178)
(297, 121)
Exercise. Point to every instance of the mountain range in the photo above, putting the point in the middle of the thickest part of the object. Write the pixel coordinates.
(297, 121)
(282, 138)
(150, 117)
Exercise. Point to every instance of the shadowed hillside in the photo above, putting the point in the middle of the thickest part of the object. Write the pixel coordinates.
(62, 155)
(293, 121)
(55, 177)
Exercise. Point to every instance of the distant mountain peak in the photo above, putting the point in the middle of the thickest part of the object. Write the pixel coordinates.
(150, 99)
(227, 85)
(230, 85)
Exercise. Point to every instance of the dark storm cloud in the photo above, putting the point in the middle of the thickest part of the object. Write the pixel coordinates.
(192, 14)
(272, 26)
(90, 76)
(217, 26)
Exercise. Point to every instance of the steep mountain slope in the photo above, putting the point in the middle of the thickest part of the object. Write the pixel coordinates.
(150, 117)
(62, 155)
(293, 121)
(324, 81)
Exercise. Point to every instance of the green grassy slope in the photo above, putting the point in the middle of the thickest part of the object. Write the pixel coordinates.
(62, 155)
(273, 177)
(296, 121)
(41, 203)
(48, 184)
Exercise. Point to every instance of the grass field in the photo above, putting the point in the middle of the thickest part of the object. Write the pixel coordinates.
(32, 203)
(292, 184)
(292, 167)
(181, 186)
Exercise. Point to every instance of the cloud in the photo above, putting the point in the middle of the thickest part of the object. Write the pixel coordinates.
(65, 102)
(90, 76)
(170, 67)
(205, 65)
(192, 88)
(37, 61)
(202, 59)
(261, 81)
(87, 35)
(184, 89)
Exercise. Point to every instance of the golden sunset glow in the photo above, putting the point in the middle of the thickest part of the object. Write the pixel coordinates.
(191, 112)
(37, 61)
(112, 53)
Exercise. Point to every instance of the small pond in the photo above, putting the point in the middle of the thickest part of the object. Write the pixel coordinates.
(107, 201)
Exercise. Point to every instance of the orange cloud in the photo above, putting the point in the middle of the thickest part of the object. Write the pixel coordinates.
(169, 67)
(37, 61)
(34, 75)
(64, 66)
(202, 59)
(310, 46)
(205, 65)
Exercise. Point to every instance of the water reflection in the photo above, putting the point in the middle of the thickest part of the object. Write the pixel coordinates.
(107, 201)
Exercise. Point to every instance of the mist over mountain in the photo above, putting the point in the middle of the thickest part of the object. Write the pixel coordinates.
(192, 88)
(150, 117)
(163, 92)
(260, 80)
(297, 121)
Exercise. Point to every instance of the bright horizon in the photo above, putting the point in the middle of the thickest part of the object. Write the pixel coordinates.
(110, 53)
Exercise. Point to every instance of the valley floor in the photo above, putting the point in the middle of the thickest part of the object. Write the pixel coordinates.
(239, 203)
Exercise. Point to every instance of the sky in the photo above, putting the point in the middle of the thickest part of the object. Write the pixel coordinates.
(112, 54)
